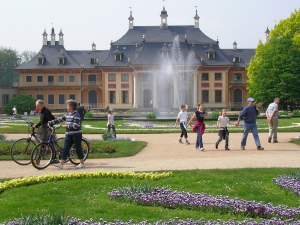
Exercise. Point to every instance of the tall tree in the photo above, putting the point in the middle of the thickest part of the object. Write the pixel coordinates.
(274, 70)
(8, 60)
(26, 56)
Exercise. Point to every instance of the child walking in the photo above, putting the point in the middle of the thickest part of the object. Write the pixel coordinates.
(223, 120)
(199, 125)
(182, 117)
(111, 122)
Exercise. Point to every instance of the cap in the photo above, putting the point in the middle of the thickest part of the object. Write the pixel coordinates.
(250, 100)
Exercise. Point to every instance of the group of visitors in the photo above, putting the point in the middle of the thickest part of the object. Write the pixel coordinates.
(73, 120)
(248, 114)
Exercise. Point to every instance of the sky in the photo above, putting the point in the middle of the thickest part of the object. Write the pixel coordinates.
(83, 22)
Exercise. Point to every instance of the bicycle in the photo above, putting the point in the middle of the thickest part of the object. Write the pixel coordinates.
(44, 153)
(21, 149)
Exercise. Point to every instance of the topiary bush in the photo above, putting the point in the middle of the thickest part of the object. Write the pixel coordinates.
(89, 115)
(23, 103)
(215, 114)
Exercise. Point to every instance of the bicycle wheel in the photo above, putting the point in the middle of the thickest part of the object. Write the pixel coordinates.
(85, 148)
(42, 156)
(21, 150)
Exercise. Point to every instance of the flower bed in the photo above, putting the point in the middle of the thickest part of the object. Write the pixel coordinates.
(289, 182)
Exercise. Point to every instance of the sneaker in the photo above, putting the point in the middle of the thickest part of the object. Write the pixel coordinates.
(242, 147)
(275, 141)
(269, 140)
(202, 149)
(55, 161)
(180, 141)
(80, 166)
(58, 165)
(227, 149)
(260, 148)
(217, 146)
(187, 142)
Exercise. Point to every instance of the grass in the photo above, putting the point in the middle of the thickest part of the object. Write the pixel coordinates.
(87, 198)
(99, 127)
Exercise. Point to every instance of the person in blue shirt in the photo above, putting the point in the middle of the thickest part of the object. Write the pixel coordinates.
(249, 114)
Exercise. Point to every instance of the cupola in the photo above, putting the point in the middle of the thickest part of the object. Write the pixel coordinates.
(61, 38)
(130, 19)
(164, 16)
(45, 36)
(234, 45)
(52, 36)
(93, 47)
(196, 18)
(267, 33)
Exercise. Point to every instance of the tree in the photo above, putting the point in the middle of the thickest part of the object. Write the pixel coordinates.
(8, 60)
(274, 70)
(24, 103)
(26, 56)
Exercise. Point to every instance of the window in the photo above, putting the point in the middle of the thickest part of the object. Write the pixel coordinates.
(41, 61)
(124, 96)
(236, 59)
(92, 61)
(5, 99)
(111, 77)
(61, 99)
(92, 79)
(50, 80)
(72, 96)
(51, 99)
(147, 77)
(40, 96)
(218, 76)
(124, 77)
(39, 79)
(112, 97)
(61, 61)
(71, 78)
(211, 55)
(205, 96)
(218, 95)
(61, 78)
(237, 78)
(28, 78)
(204, 76)
(118, 57)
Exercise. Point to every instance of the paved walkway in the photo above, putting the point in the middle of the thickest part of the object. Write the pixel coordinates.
(164, 153)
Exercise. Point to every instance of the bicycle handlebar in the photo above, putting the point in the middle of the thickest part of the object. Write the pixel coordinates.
(54, 127)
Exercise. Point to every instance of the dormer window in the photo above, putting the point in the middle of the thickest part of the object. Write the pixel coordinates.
(41, 61)
(118, 55)
(211, 53)
(236, 59)
(93, 61)
(164, 51)
(61, 61)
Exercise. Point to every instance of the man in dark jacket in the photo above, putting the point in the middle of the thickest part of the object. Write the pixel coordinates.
(45, 116)
(81, 110)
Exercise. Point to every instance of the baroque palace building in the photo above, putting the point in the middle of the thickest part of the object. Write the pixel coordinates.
(149, 67)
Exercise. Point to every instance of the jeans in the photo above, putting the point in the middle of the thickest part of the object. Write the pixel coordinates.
(183, 130)
(113, 128)
(221, 138)
(273, 125)
(199, 142)
(69, 141)
(253, 128)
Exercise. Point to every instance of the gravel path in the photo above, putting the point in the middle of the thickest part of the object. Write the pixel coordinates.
(164, 153)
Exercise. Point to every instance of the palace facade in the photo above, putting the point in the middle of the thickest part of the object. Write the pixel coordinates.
(148, 67)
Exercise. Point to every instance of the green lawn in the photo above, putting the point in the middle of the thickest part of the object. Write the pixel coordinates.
(87, 198)
(133, 127)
